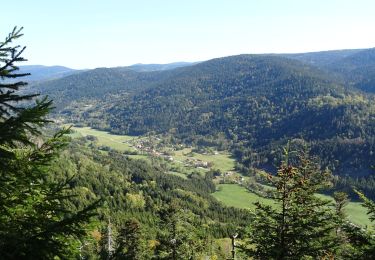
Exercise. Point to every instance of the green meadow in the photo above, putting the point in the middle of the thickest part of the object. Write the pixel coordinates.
(117, 142)
(222, 160)
(237, 196)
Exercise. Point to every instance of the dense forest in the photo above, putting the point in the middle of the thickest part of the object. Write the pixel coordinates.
(136, 189)
(354, 67)
(249, 104)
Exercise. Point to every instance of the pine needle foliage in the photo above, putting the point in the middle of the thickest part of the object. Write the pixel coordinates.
(34, 223)
(301, 225)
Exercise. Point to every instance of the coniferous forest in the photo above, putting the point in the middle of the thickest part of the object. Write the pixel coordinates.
(299, 129)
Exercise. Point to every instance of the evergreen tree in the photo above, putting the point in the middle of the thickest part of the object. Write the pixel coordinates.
(300, 225)
(34, 223)
(361, 240)
(368, 204)
(341, 200)
(179, 236)
(131, 243)
(16, 122)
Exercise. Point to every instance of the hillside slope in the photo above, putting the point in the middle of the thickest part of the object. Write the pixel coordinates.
(97, 83)
(355, 68)
(322, 59)
(261, 102)
(358, 69)
(254, 103)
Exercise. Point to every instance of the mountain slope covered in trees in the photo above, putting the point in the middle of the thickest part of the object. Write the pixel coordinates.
(355, 68)
(251, 104)
(358, 69)
(322, 59)
(96, 83)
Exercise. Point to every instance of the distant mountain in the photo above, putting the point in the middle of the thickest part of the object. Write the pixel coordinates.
(41, 73)
(358, 69)
(97, 84)
(157, 67)
(252, 104)
(322, 59)
(355, 68)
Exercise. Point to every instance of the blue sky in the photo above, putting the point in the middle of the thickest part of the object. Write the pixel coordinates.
(108, 33)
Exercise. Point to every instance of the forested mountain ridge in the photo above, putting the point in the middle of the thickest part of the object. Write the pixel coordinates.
(355, 68)
(259, 102)
(41, 73)
(358, 69)
(157, 67)
(322, 59)
(100, 81)
(338, 64)
(96, 83)
(251, 104)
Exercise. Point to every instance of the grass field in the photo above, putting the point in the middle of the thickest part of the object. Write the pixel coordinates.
(139, 157)
(237, 196)
(222, 161)
(117, 142)
(355, 212)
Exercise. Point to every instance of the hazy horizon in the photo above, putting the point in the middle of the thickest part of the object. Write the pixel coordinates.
(81, 34)
(198, 61)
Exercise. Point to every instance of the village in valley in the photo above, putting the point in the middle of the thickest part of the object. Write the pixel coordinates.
(177, 159)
